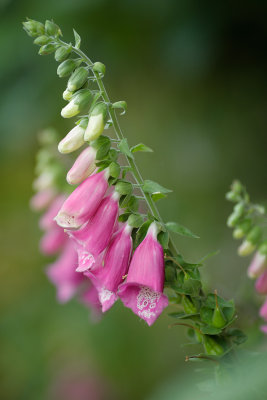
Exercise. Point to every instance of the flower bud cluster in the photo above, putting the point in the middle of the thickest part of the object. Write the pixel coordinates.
(246, 220)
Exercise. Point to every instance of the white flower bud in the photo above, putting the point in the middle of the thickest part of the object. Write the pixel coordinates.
(95, 127)
(72, 141)
(70, 110)
(67, 95)
(246, 248)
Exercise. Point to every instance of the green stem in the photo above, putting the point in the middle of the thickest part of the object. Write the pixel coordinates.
(135, 171)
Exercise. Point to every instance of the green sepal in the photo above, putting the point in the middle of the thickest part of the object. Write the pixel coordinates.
(141, 233)
(102, 146)
(135, 220)
(141, 147)
(41, 40)
(124, 187)
(123, 217)
(212, 347)
(114, 169)
(188, 305)
(158, 196)
(120, 104)
(52, 29)
(163, 239)
(77, 39)
(33, 28)
(99, 68)
(218, 318)
(133, 204)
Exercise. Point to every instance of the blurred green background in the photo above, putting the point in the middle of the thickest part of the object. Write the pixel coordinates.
(194, 78)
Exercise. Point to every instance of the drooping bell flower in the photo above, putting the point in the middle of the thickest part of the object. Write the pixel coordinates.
(47, 220)
(94, 236)
(143, 289)
(42, 199)
(53, 240)
(257, 265)
(261, 283)
(82, 167)
(83, 201)
(63, 275)
(110, 273)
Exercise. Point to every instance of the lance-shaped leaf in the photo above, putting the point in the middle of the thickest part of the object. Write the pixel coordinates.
(135, 220)
(152, 187)
(141, 147)
(77, 38)
(180, 230)
(124, 148)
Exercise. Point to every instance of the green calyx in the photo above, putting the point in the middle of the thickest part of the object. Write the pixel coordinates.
(41, 40)
(47, 49)
(33, 28)
(218, 319)
(188, 305)
(100, 108)
(51, 29)
(83, 98)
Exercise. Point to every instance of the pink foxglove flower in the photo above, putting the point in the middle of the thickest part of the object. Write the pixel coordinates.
(93, 237)
(143, 289)
(42, 199)
(83, 166)
(47, 220)
(90, 299)
(110, 273)
(53, 240)
(83, 202)
(63, 275)
(261, 283)
(257, 265)
(264, 329)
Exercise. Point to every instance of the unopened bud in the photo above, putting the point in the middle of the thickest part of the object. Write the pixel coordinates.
(47, 49)
(231, 196)
(67, 95)
(78, 102)
(67, 66)
(234, 218)
(246, 248)
(41, 40)
(52, 29)
(99, 67)
(34, 28)
(242, 229)
(218, 319)
(97, 121)
(83, 167)
(237, 187)
(257, 265)
(254, 235)
(62, 53)
(77, 79)
(72, 141)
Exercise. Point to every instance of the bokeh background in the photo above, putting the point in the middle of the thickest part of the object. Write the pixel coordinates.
(194, 78)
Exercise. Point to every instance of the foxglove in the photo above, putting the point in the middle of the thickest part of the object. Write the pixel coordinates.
(42, 199)
(47, 220)
(143, 289)
(94, 236)
(53, 240)
(83, 166)
(257, 265)
(261, 283)
(110, 273)
(83, 201)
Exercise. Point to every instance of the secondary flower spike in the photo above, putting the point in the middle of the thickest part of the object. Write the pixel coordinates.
(93, 238)
(261, 283)
(62, 273)
(143, 289)
(42, 199)
(109, 273)
(83, 202)
(82, 167)
(47, 220)
(53, 240)
(257, 265)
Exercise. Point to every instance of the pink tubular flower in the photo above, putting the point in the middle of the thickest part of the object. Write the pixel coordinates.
(263, 311)
(261, 283)
(62, 273)
(83, 202)
(93, 237)
(90, 299)
(82, 167)
(257, 265)
(143, 289)
(264, 329)
(42, 199)
(109, 274)
(47, 220)
(53, 240)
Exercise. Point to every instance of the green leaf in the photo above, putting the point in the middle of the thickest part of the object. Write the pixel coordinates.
(124, 200)
(114, 169)
(120, 104)
(158, 196)
(141, 147)
(210, 330)
(77, 38)
(163, 238)
(102, 146)
(181, 315)
(154, 187)
(209, 255)
(124, 187)
(133, 204)
(124, 148)
(124, 217)
(141, 233)
(180, 230)
(237, 336)
(125, 170)
(192, 286)
(135, 220)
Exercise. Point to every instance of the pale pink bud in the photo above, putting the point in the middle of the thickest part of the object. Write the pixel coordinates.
(110, 273)
(83, 166)
(53, 240)
(47, 220)
(257, 265)
(63, 275)
(263, 310)
(143, 289)
(261, 283)
(83, 202)
(93, 238)
(264, 329)
(42, 199)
